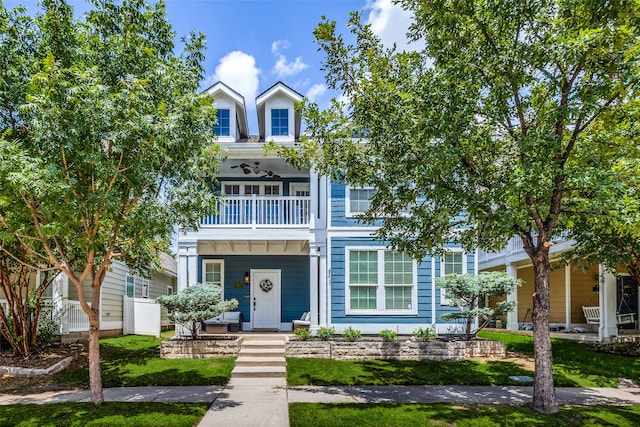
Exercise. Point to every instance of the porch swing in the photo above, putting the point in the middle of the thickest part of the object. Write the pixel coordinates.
(592, 314)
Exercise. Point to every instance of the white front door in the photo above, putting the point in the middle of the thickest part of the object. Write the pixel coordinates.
(265, 299)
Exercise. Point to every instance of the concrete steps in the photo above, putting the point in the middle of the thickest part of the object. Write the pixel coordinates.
(261, 357)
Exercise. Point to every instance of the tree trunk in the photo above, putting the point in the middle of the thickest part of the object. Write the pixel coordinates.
(544, 395)
(95, 375)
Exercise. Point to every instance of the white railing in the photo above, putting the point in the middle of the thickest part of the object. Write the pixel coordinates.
(261, 211)
(68, 312)
(514, 247)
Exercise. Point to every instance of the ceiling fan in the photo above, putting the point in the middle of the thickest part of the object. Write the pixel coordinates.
(256, 169)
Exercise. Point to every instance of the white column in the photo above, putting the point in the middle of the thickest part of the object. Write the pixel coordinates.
(313, 193)
(187, 264)
(313, 286)
(512, 317)
(323, 287)
(60, 294)
(567, 295)
(608, 299)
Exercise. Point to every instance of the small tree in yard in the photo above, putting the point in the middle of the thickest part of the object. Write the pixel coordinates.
(195, 304)
(468, 291)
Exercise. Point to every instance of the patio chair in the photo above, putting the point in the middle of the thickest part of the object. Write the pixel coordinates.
(304, 322)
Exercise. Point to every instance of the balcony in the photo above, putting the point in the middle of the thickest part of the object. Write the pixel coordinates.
(514, 251)
(260, 212)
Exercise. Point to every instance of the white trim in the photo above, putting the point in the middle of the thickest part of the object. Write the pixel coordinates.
(380, 286)
(347, 201)
(277, 273)
(434, 311)
(444, 301)
(299, 186)
(126, 280)
(204, 272)
(144, 288)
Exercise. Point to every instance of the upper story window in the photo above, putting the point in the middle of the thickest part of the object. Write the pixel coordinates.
(380, 281)
(223, 126)
(359, 200)
(279, 121)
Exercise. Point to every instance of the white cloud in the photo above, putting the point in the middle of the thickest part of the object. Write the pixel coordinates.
(315, 91)
(390, 22)
(238, 70)
(283, 68)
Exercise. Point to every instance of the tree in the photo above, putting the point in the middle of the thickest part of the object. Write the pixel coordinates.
(195, 304)
(107, 143)
(490, 132)
(468, 291)
(609, 230)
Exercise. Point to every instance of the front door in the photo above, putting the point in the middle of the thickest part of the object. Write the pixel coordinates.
(265, 298)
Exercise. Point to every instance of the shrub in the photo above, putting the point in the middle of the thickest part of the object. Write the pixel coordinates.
(351, 334)
(303, 334)
(425, 334)
(388, 335)
(325, 333)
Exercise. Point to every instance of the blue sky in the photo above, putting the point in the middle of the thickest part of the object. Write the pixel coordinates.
(252, 44)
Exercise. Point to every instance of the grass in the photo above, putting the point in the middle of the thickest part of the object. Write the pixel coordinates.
(575, 365)
(107, 414)
(381, 415)
(134, 360)
(325, 372)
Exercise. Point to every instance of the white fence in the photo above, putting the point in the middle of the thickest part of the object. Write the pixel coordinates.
(141, 317)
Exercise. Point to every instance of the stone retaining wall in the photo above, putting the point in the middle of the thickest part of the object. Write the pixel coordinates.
(199, 349)
(405, 350)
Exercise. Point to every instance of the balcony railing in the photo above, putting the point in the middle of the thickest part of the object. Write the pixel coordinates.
(261, 211)
(68, 313)
(514, 247)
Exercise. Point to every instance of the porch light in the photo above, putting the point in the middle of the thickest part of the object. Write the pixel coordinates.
(246, 278)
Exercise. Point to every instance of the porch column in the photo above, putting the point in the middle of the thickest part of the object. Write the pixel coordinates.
(512, 317)
(567, 296)
(313, 285)
(323, 287)
(313, 193)
(60, 294)
(608, 299)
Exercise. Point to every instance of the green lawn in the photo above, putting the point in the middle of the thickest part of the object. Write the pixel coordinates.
(575, 365)
(108, 414)
(411, 415)
(134, 360)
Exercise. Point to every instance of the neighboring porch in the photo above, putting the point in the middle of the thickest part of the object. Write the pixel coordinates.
(615, 296)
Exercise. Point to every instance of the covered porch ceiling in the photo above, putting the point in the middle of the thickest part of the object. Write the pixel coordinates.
(253, 247)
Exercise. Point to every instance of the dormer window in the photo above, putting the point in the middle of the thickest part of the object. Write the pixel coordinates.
(279, 122)
(222, 128)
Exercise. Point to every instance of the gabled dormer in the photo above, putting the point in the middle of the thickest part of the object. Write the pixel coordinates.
(232, 114)
(278, 120)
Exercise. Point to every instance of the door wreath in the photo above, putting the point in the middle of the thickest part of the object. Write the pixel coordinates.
(266, 285)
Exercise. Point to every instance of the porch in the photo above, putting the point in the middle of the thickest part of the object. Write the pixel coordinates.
(67, 313)
(255, 211)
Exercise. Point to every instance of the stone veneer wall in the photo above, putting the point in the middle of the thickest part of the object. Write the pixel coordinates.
(199, 349)
(406, 350)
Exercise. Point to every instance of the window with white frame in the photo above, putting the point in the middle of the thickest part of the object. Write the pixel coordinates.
(213, 272)
(169, 290)
(222, 128)
(359, 200)
(145, 288)
(380, 281)
(130, 285)
(452, 262)
(279, 122)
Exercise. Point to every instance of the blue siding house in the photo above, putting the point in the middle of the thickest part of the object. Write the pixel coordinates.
(285, 241)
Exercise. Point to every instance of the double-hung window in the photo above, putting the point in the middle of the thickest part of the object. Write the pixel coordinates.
(279, 122)
(222, 128)
(213, 272)
(380, 281)
(452, 262)
(359, 200)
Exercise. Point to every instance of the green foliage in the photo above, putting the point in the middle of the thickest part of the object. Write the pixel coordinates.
(303, 334)
(325, 333)
(195, 304)
(425, 334)
(388, 335)
(468, 292)
(351, 334)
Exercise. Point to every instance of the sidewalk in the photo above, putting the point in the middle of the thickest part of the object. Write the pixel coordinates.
(221, 396)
